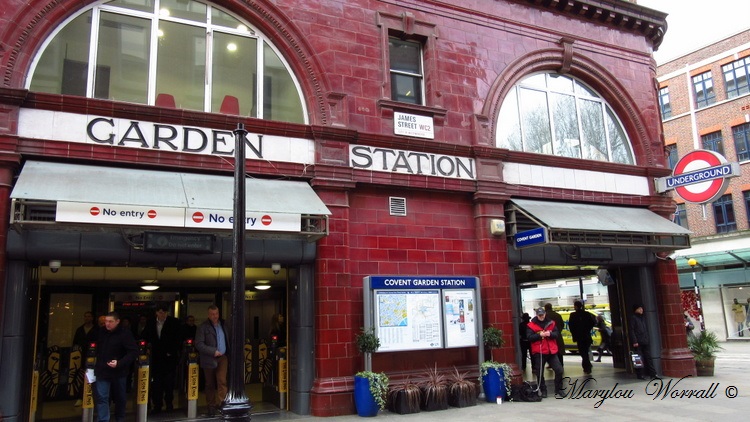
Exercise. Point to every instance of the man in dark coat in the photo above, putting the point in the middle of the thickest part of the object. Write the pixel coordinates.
(164, 334)
(116, 352)
(212, 342)
(543, 334)
(639, 339)
(580, 323)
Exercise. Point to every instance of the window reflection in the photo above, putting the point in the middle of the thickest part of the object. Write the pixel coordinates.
(198, 63)
(549, 113)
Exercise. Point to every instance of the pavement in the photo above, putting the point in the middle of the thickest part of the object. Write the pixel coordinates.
(607, 393)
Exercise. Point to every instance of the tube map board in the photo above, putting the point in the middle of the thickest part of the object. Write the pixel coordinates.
(419, 313)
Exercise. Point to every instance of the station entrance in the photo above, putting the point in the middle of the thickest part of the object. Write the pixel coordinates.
(70, 298)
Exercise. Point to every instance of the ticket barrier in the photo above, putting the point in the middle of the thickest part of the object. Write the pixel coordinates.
(142, 383)
(275, 386)
(192, 378)
(87, 401)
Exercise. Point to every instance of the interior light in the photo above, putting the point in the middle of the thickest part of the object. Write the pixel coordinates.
(232, 46)
(164, 12)
(159, 32)
(149, 285)
(262, 286)
(408, 93)
(242, 28)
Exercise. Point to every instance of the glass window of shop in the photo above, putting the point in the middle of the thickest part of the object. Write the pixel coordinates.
(737, 310)
(194, 54)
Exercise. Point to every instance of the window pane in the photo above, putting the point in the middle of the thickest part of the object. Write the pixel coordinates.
(567, 139)
(620, 147)
(235, 68)
(142, 5)
(560, 83)
(536, 81)
(535, 123)
(741, 136)
(594, 137)
(406, 88)
(123, 54)
(64, 65)
(509, 127)
(221, 18)
(583, 90)
(190, 10)
(281, 100)
(182, 64)
(405, 56)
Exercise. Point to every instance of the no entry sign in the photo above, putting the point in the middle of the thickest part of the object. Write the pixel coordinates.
(700, 176)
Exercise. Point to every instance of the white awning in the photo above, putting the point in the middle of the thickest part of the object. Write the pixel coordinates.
(573, 223)
(110, 195)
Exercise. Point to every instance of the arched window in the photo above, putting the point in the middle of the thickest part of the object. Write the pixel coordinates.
(171, 53)
(554, 114)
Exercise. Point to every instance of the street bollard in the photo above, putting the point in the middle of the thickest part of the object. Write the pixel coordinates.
(141, 399)
(192, 381)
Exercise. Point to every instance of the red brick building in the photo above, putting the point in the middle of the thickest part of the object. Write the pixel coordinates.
(705, 103)
(416, 139)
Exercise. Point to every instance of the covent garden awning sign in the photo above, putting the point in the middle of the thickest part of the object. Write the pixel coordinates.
(701, 176)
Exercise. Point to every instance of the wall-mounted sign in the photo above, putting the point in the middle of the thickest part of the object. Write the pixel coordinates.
(530, 237)
(139, 215)
(129, 133)
(418, 313)
(411, 162)
(701, 176)
(413, 125)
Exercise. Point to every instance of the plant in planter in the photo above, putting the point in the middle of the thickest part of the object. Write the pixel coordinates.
(435, 390)
(462, 391)
(704, 347)
(496, 380)
(405, 398)
(495, 377)
(370, 388)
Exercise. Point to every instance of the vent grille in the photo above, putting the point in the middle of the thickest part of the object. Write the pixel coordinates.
(397, 206)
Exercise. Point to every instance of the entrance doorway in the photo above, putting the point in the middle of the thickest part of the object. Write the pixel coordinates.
(65, 301)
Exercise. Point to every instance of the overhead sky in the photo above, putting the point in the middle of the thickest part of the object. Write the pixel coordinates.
(695, 23)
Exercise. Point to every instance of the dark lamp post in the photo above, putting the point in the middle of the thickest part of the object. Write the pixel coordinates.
(237, 406)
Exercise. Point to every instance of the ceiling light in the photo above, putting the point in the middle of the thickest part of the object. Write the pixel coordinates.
(164, 12)
(232, 46)
(149, 285)
(262, 286)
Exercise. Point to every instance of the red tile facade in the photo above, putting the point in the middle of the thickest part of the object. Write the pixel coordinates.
(475, 51)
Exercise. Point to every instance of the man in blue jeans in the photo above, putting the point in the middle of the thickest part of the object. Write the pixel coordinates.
(116, 351)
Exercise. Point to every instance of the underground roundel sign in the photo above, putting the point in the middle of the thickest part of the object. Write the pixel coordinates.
(700, 176)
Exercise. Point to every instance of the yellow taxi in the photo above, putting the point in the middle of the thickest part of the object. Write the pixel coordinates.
(565, 311)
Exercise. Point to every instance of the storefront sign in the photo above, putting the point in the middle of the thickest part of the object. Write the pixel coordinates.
(178, 242)
(413, 125)
(410, 162)
(701, 176)
(128, 133)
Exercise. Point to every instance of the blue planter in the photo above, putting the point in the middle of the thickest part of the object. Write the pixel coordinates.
(494, 385)
(363, 399)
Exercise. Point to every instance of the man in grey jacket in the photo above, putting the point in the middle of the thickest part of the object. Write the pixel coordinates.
(212, 342)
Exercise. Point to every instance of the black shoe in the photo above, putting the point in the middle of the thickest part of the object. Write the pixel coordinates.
(559, 395)
(544, 394)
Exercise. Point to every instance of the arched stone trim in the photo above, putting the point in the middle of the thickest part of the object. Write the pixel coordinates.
(21, 42)
(585, 69)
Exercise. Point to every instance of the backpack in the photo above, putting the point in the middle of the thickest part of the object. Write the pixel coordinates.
(525, 392)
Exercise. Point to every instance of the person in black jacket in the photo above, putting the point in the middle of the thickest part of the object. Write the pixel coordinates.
(639, 339)
(116, 351)
(164, 334)
(524, 339)
(580, 323)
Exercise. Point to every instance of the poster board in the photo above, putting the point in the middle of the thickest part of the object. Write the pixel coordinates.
(422, 313)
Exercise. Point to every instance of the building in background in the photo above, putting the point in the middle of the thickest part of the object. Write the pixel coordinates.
(394, 142)
(704, 98)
